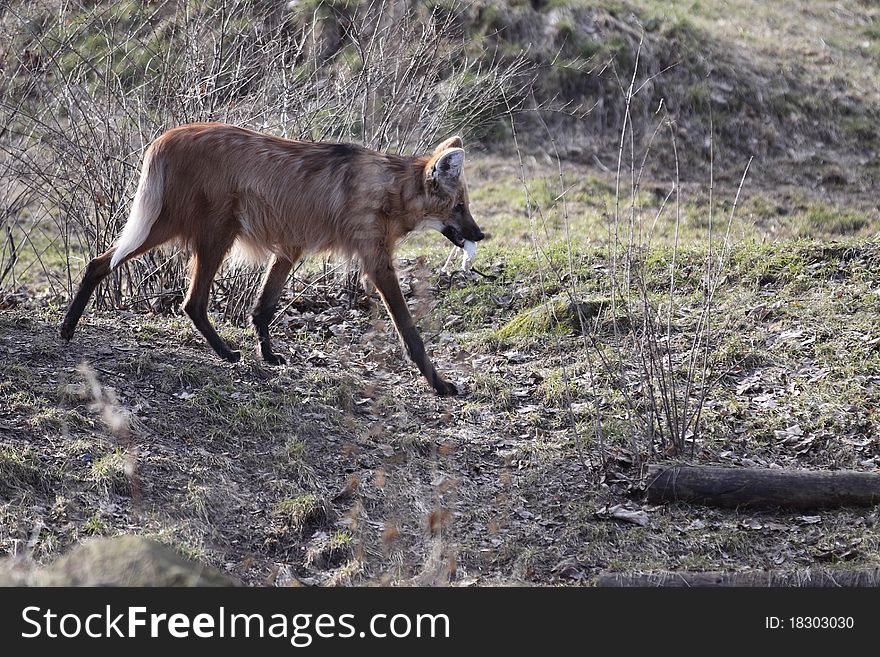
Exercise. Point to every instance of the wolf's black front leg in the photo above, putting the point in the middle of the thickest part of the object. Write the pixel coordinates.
(385, 280)
(267, 304)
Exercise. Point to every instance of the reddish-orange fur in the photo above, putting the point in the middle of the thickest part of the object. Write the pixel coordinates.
(211, 186)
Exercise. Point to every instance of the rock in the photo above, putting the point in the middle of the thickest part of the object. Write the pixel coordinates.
(127, 560)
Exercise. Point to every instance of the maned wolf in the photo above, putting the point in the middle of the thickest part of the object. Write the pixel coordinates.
(213, 185)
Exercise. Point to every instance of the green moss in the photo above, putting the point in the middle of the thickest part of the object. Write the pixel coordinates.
(536, 321)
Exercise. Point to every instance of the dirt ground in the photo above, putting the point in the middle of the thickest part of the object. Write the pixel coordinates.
(343, 468)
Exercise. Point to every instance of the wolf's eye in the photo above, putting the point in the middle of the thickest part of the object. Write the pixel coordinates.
(459, 207)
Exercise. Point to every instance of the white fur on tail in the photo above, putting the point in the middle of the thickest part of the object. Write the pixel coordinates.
(145, 209)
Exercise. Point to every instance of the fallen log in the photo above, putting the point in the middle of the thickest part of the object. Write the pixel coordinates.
(734, 487)
(812, 578)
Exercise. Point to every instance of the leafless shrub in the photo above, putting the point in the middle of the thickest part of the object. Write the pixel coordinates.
(86, 86)
(658, 357)
(667, 376)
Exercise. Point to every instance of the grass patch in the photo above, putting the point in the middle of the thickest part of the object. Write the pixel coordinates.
(58, 419)
(330, 551)
(108, 473)
(20, 470)
(302, 513)
(95, 526)
(827, 221)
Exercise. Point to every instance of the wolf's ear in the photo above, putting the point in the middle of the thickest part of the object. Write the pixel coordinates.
(452, 142)
(445, 169)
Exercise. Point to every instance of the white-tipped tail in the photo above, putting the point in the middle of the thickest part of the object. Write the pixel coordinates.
(145, 209)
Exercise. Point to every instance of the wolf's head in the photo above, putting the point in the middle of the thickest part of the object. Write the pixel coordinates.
(449, 209)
